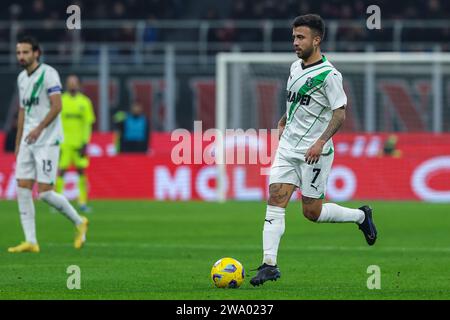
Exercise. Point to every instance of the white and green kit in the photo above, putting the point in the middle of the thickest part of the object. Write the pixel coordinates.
(313, 92)
(39, 161)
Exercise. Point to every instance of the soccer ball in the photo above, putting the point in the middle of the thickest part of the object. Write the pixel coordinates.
(227, 273)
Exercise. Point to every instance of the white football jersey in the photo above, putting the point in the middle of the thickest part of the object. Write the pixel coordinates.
(313, 92)
(34, 92)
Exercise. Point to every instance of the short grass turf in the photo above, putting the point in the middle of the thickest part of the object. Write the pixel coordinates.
(165, 250)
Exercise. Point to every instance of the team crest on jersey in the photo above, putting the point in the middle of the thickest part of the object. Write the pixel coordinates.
(36, 86)
(309, 82)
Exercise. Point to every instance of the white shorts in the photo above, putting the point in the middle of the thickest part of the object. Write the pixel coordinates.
(38, 163)
(290, 167)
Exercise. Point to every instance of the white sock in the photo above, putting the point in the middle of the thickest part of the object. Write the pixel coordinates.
(27, 214)
(60, 203)
(273, 230)
(332, 212)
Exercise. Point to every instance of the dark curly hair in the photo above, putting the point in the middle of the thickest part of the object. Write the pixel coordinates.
(313, 21)
(32, 41)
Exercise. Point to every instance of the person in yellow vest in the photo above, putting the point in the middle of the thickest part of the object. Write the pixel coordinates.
(77, 119)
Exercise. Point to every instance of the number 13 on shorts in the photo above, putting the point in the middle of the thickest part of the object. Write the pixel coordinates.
(47, 158)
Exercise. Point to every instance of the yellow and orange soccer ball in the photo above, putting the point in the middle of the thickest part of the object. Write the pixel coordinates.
(227, 273)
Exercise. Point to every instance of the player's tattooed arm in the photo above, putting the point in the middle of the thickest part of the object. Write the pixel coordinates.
(336, 122)
(281, 125)
(313, 154)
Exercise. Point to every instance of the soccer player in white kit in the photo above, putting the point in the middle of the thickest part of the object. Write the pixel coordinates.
(37, 144)
(316, 104)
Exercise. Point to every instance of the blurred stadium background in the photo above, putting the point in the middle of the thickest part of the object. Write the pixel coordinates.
(162, 54)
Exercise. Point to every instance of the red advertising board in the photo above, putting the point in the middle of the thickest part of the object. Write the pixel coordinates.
(419, 169)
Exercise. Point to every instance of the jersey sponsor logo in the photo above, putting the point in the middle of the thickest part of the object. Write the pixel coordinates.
(297, 98)
(33, 101)
(34, 97)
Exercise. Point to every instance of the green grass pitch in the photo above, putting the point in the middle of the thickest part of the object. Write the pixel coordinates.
(165, 250)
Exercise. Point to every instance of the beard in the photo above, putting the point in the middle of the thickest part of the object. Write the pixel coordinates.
(306, 53)
(25, 64)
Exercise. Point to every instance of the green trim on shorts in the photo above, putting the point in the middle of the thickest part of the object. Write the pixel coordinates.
(329, 152)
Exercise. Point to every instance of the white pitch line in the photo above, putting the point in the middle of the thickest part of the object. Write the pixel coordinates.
(254, 247)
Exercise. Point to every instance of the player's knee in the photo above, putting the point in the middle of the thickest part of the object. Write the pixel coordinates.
(311, 214)
(25, 184)
(279, 195)
(44, 190)
(44, 196)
